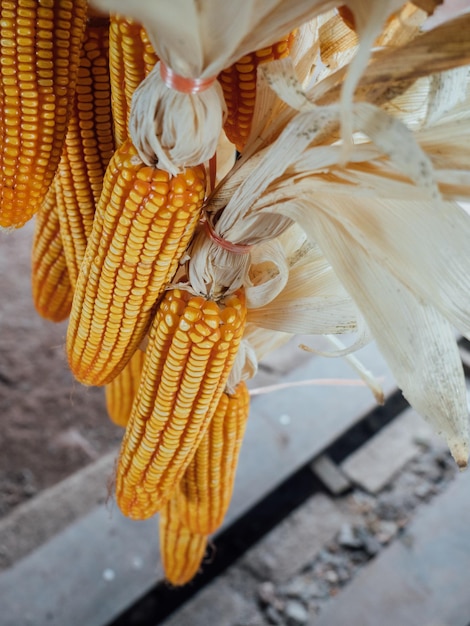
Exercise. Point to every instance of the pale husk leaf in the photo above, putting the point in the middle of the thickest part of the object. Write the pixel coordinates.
(369, 18)
(393, 70)
(425, 245)
(365, 374)
(313, 301)
(416, 340)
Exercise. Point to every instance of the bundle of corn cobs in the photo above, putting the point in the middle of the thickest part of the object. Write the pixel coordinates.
(180, 267)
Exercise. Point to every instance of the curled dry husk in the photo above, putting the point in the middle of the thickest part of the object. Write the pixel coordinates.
(382, 230)
(198, 39)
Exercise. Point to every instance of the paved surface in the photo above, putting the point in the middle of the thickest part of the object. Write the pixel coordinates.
(95, 568)
(231, 599)
(103, 563)
(40, 519)
(422, 579)
(375, 463)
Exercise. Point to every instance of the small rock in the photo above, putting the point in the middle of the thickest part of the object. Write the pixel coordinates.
(386, 531)
(267, 595)
(347, 537)
(296, 614)
(309, 588)
(332, 577)
(424, 490)
(362, 502)
(296, 588)
(371, 544)
(318, 589)
(343, 574)
(332, 559)
(392, 506)
(273, 616)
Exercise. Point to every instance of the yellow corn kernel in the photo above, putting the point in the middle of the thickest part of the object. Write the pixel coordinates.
(239, 87)
(207, 485)
(121, 391)
(131, 58)
(89, 145)
(143, 224)
(181, 550)
(52, 290)
(184, 375)
(39, 52)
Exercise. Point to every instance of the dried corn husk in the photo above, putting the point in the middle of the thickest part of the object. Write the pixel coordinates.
(387, 255)
(197, 40)
(397, 247)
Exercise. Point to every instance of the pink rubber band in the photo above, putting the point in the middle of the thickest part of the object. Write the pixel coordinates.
(236, 248)
(183, 84)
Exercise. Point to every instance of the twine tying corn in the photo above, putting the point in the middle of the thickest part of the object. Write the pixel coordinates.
(183, 84)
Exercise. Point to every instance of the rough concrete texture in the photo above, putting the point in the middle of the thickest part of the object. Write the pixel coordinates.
(295, 541)
(421, 579)
(38, 520)
(375, 463)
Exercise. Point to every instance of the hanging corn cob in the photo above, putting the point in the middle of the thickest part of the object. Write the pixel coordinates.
(39, 48)
(52, 290)
(206, 489)
(131, 58)
(181, 550)
(88, 145)
(192, 346)
(178, 110)
(121, 391)
(143, 224)
(239, 87)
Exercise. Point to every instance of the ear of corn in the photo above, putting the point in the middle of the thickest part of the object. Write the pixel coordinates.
(239, 86)
(181, 550)
(143, 224)
(52, 290)
(131, 58)
(39, 49)
(347, 16)
(206, 489)
(192, 346)
(121, 391)
(88, 147)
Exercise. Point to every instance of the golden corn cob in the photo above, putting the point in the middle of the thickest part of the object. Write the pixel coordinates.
(181, 550)
(347, 16)
(143, 224)
(39, 51)
(239, 87)
(192, 345)
(88, 147)
(121, 391)
(131, 58)
(206, 489)
(52, 290)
